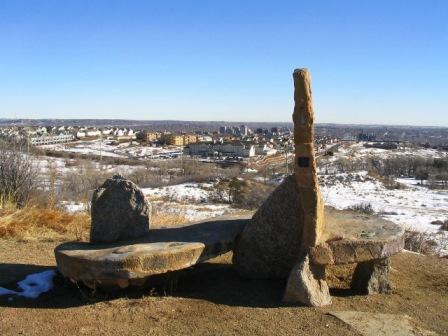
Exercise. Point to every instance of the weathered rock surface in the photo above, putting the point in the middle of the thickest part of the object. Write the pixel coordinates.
(164, 250)
(353, 237)
(305, 164)
(119, 211)
(307, 285)
(270, 243)
(372, 277)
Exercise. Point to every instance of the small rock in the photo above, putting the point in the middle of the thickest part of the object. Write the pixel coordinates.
(372, 277)
(444, 226)
(437, 222)
(119, 211)
(307, 285)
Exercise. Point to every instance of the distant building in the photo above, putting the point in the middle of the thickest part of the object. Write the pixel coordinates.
(180, 139)
(190, 138)
(265, 150)
(229, 149)
(80, 134)
(205, 138)
(93, 133)
(244, 130)
(51, 139)
(348, 137)
(149, 136)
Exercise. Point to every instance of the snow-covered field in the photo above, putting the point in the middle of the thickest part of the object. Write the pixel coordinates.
(59, 167)
(195, 212)
(185, 192)
(358, 150)
(190, 200)
(95, 147)
(414, 207)
(107, 149)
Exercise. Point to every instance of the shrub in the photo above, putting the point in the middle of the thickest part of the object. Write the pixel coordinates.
(17, 174)
(365, 208)
(420, 242)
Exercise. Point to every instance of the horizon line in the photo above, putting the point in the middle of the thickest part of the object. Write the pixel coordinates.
(221, 121)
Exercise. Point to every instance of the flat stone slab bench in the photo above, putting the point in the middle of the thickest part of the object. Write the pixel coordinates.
(349, 237)
(354, 237)
(162, 250)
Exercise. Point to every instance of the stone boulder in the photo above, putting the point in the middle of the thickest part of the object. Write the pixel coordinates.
(372, 277)
(306, 284)
(119, 212)
(271, 242)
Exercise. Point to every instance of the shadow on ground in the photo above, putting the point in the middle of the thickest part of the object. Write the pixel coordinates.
(214, 282)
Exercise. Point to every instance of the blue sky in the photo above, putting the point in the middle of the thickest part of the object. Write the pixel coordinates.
(382, 62)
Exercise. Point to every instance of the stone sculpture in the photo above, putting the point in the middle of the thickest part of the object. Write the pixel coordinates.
(306, 282)
(289, 237)
(305, 163)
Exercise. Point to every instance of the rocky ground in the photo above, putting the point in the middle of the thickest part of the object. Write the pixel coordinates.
(211, 300)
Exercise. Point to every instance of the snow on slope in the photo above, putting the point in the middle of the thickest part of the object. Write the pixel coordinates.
(195, 212)
(414, 207)
(358, 150)
(180, 192)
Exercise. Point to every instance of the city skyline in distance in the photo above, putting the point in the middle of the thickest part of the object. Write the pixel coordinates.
(146, 122)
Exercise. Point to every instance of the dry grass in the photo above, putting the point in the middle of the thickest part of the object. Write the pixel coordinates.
(37, 223)
(165, 219)
(52, 224)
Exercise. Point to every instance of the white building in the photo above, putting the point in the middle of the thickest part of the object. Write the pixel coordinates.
(265, 150)
(51, 139)
(80, 134)
(93, 133)
(230, 149)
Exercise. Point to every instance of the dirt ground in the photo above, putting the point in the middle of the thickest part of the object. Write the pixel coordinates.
(211, 299)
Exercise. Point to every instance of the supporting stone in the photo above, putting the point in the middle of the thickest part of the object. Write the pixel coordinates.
(307, 285)
(271, 241)
(372, 277)
(305, 163)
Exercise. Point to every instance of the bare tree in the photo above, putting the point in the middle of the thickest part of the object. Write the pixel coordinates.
(17, 174)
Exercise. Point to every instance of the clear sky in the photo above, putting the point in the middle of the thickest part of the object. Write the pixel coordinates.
(372, 61)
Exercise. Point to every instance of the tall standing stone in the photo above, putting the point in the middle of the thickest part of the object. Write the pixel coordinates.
(277, 240)
(305, 163)
(306, 282)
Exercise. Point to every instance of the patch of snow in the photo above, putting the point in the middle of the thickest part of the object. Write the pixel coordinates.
(73, 207)
(414, 207)
(180, 192)
(195, 212)
(33, 285)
